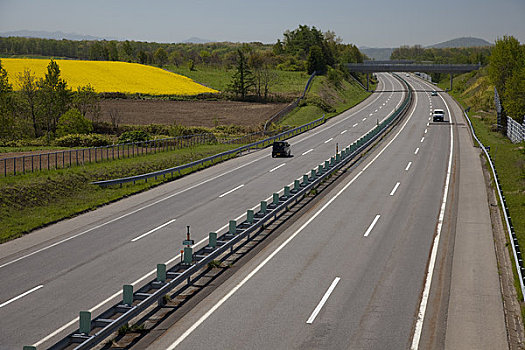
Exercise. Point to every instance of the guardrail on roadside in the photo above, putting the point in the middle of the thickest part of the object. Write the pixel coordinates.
(518, 258)
(212, 159)
(93, 332)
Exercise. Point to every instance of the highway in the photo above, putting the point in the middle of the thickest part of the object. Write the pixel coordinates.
(355, 272)
(363, 251)
(50, 275)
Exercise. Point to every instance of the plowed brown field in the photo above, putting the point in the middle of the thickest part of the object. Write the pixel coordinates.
(189, 113)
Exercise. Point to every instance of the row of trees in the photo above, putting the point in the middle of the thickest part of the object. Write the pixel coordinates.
(44, 107)
(462, 55)
(298, 47)
(507, 73)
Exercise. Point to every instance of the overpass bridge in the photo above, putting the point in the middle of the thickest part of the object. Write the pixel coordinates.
(410, 66)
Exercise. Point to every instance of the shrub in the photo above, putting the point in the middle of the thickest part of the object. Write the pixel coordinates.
(81, 140)
(73, 122)
(133, 136)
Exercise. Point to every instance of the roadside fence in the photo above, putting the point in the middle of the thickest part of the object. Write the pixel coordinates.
(515, 130)
(81, 156)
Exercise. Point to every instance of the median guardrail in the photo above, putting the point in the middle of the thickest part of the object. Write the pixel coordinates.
(94, 331)
(518, 258)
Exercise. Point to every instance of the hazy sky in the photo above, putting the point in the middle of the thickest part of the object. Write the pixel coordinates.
(373, 23)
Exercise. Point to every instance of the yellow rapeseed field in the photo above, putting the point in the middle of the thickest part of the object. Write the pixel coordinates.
(107, 76)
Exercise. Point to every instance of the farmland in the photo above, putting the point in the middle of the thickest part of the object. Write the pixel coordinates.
(111, 76)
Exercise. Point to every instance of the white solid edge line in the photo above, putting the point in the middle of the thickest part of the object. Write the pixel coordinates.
(285, 243)
(310, 150)
(130, 213)
(174, 194)
(323, 300)
(426, 291)
(153, 230)
(408, 166)
(395, 188)
(371, 227)
(277, 167)
(330, 139)
(230, 191)
(117, 294)
(416, 151)
(20, 296)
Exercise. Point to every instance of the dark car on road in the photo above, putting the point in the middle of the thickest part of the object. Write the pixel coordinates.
(281, 149)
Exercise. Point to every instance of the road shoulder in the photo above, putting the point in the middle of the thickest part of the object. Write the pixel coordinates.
(475, 311)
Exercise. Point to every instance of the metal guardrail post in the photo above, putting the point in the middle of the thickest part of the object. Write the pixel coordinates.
(264, 207)
(232, 229)
(296, 185)
(305, 179)
(29, 347)
(249, 216)
(212, 239)
(286, 191)
(275, 198)
(127, 294)
(85, 322)
(188, 255)
(161, 273)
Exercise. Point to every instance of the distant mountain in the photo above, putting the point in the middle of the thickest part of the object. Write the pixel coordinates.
(461, 42)
(52, 35)
(378, 54)
(195, 40)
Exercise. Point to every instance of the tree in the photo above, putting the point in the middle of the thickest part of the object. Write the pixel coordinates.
(160, 56)
(506, 57)
(29, 99)
(242, 80)
(72, 122)
(55, 97)
(175, 58)
(316, 61)
(7, 120)
(86, 101)
(142, 57)
(514, 98)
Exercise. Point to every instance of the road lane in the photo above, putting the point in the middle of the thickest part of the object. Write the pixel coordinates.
(75, 270)
(376, 300)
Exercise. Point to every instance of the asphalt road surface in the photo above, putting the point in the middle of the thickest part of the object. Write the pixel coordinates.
(355, 272)
(81, 264)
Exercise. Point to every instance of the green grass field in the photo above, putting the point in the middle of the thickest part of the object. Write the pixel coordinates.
(349, 95)
(289, 83)
(34, 200)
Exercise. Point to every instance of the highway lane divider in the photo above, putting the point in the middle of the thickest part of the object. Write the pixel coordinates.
(92, 332)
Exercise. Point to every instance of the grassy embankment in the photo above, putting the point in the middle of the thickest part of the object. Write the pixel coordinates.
(34, 200)
(474, 90)
(324, 98)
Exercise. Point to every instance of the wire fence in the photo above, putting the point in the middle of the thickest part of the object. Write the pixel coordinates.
(75, 157)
